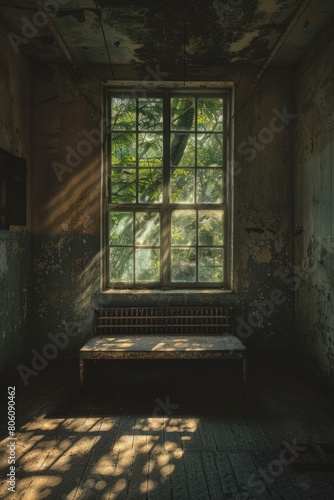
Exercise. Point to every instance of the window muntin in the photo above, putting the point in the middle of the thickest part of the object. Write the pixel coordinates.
(167, 194)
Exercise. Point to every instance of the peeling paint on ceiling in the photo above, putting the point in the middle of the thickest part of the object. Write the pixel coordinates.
(244, 42)
(197, 33)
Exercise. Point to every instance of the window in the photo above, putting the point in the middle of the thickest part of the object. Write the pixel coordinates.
(167, 189)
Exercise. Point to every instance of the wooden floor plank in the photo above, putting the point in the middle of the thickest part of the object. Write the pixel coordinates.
(98, 479)
(125, 433)
(243, 437)
(193, 438)
(103, 482)
(211, 474)
(123, 470)
(96, 483)
(171, 436)
(304, 483)
(226, 475)
(138, 480)
(190, 438)
(325, 488)
(320, 419)
(103, 454)
(48, 463)
(160, 470)
(279, 484)
(253, 418)
(247, 476)
(179, 485)
(196, 481)
(107, 445)
(223, 435)
(207, 438)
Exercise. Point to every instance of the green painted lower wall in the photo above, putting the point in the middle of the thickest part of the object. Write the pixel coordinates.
(15, 297)
(66, 274)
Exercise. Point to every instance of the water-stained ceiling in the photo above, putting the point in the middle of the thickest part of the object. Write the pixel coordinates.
(192, 33)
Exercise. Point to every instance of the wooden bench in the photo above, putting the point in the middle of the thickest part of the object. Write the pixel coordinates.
(163, 333)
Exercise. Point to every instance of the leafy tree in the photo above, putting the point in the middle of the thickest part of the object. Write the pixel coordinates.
(136, 175)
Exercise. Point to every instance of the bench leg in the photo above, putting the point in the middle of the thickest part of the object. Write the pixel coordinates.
(81, 372)
(244, 375)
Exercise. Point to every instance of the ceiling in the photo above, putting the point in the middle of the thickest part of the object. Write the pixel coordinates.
(183, 33)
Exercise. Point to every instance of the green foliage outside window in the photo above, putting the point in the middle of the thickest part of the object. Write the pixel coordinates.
(149, 186)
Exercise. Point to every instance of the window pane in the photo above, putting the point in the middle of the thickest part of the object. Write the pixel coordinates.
(210, 228)
(182, 185)
(121, 264)
(150, 114)
(182, 113)
(120, 228)
(148, 264)
(183, 227)
(147, 229)
(150, 150)
(193, 235)
(150, 185)
(209, 150)
(123, 185)
(210, 264)
(123, 150)
(183, 264)
(123, 113)
(210, 114)
(209, 185)
(182, 150)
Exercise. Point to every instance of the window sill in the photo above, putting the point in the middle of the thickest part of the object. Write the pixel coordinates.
(166, 298)
(158, 291)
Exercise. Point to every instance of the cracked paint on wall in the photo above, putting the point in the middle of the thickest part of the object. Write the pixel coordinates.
(15, 296)
(67, 254)
(263, 208)
(15, 245)
(314, 216)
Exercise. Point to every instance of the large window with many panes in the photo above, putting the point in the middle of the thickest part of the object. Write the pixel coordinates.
(168, 192)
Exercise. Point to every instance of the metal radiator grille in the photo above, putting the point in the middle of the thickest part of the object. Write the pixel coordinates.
(166, 320)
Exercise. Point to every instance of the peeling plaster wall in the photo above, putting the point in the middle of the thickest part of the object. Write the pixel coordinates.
(314, 207)
(15, 260)
(15, 245)
(66, 205)
(66, 211)
(263, 209)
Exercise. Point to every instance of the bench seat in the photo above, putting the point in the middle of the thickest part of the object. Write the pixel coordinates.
(164, 347)
(163, 333)
(150, 346)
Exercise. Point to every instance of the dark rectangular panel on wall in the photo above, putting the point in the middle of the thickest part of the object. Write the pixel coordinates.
(13, 171)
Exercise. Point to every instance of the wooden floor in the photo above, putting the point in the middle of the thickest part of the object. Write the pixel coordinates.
(168, 430)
